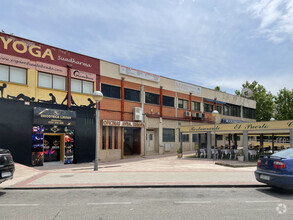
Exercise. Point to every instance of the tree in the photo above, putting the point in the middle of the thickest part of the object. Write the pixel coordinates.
(284, 105)
(264, 100)
(218, 88)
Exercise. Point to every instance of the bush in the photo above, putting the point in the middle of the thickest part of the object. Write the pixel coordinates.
(179, 151)
(240, 152)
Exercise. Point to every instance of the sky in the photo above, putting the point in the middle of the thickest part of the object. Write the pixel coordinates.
(207, 43)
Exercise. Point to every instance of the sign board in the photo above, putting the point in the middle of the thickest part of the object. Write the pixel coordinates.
(187, 88)
(122, 123)
(46, 116)
(255, 126)
(139, 74)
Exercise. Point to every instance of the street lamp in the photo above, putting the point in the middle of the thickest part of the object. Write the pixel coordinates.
(97, 96)
(215, 113)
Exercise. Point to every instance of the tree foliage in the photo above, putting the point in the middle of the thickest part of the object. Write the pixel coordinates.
(284, 105)
(264, 100)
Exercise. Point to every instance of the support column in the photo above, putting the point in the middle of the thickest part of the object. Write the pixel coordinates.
(291, 138)
(69, 85)
(209, 140)
(160, 132)
(122, 99)
(161, 101)
(245, 145)
(190, 101)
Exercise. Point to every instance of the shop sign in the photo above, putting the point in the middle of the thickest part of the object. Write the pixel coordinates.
(83, 75)
(46, 116)
(255, 126)
(139, 74)
(122, 123)
(187, 88)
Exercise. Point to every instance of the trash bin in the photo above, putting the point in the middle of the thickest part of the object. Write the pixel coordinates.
(161, 149)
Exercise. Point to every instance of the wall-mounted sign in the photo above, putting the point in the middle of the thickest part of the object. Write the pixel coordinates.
(139, 74)
(122, 123)
(46, 116)
(187, 88)
(255, 126)
(83, 75)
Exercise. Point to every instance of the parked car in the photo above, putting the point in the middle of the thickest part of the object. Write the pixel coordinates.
(6, 165)
(276, 170)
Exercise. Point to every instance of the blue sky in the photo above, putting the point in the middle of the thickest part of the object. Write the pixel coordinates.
(208, 43)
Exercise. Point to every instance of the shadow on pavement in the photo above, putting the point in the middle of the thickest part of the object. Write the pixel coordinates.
(277, 193)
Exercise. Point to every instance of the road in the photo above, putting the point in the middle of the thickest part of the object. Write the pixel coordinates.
(147, 203)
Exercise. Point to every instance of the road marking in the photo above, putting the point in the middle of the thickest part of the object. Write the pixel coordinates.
(110, 203)
(262, 201)
(15, 205)
(192, 202)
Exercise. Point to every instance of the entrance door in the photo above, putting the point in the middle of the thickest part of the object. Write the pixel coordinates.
(150, 141)
(52, 147)
(132, 141)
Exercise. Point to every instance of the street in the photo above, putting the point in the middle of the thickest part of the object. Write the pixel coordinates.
(147, 203)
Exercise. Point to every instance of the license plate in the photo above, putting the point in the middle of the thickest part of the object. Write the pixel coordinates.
(264, 177)
(6, 174)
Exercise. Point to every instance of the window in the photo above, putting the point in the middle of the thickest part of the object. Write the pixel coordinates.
(111, 91)
(115, 137)
(195, 138)
(168, 101)
(82, 86)
(208, 107)
(51, 81)
(185, 137)
(232, 110)
(219, 137)
(13, 74)
(110, 137)
(248, 113)
(168, 135)
(104, 138)
(195, 106)
(152, 98)
(183, 103)
(132, 95)
(219, 109)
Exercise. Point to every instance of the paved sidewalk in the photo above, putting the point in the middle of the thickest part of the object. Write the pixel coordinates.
(166, 170)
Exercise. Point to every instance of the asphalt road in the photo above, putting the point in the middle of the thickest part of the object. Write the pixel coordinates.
(147, 203)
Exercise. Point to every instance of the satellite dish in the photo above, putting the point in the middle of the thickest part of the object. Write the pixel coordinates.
(246, 92)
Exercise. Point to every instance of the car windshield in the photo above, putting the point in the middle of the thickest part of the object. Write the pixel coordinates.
(288, 153)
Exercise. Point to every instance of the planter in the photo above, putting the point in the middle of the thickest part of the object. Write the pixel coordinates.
(179, 155)
(240, 158)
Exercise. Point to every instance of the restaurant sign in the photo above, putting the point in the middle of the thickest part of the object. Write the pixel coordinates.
(255, 126)
(139, 74)
(46, 116)
(122, 123)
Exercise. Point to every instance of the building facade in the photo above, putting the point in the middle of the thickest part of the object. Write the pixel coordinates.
(47, 112)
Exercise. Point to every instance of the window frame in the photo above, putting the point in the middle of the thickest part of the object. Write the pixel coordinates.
(104, 86)
(9, 74)
(168, 137)
(131, 90)
(166, 100)
(193, 106)
(157, 96)
(183, 101)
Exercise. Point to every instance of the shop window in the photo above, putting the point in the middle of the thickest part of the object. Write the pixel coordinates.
(185, 137)
(51, 81)
(183, 103)
(168, 135)
(232, 110)
(219, 109)
(115, 137)
(152, 98)
(208, 107)
(195, 106)
(168, 101)
(111, 91)
(82, 86)
(13, 74)
(110, 137)
(195, 138)
(104, 138)
(219, 137)
(248, 113)
(132, 95)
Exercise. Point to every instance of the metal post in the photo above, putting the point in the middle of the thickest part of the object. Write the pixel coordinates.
(97, 137)
(181, 142)
(209, 138)
(215, 147)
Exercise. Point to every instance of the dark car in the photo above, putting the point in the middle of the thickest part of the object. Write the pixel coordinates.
(6, 165)
(276, 170)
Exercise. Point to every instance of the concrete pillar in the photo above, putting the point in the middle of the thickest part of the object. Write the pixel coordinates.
(245, 145)
(209, 140)
(161, 132)
(176, 104)
(291, 137)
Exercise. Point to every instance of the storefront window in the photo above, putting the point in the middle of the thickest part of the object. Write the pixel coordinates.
(168, 135)
(110, 137)
(183, 103)
(12, 74)
(168, 101)
(195, 138)
(132, 95)
(152, 98)
(104, 138)
(185, 137)
(116, 138)
(111, 91)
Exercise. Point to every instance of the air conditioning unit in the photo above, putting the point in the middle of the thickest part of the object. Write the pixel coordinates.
(137, 114)
(187, 114)
(196, 115)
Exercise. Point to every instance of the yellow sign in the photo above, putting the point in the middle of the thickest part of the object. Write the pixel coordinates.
(255, 126)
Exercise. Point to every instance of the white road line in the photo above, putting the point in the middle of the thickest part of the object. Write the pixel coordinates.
(110, 203)
(192, 202)
(272, 201)
(19, 205)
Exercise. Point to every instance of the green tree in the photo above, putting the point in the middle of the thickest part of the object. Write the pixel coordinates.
(218, 88)
(284, 105)
(264, 100)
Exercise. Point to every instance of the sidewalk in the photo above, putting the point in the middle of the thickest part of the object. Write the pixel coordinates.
(152, 171)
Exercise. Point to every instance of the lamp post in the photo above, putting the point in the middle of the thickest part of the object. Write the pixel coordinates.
(215, 113)
(97, 96)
